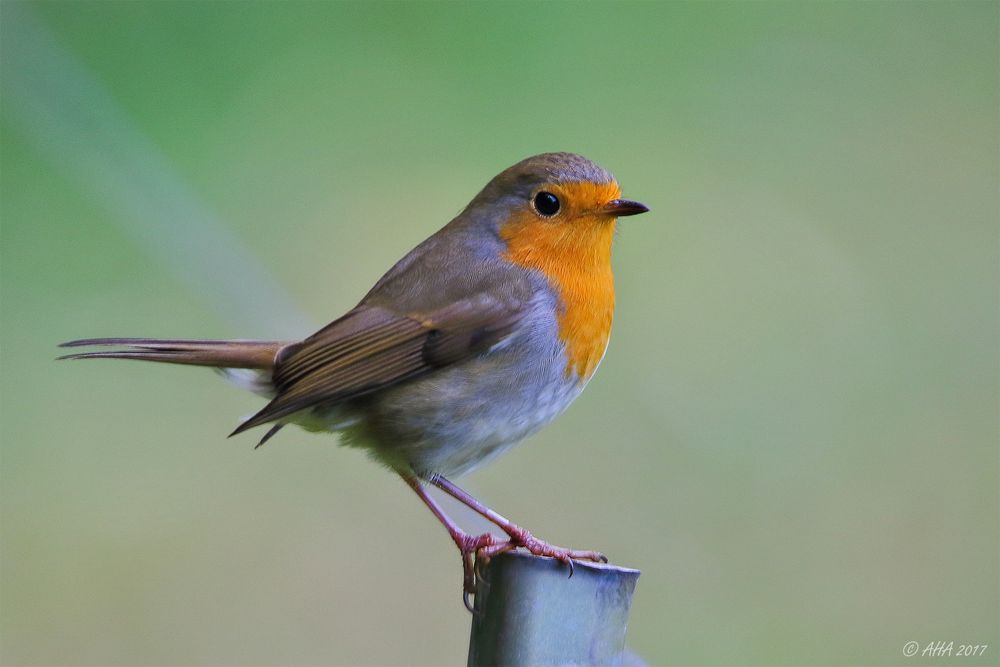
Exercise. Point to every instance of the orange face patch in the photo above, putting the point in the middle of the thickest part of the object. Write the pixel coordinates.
(573, 250)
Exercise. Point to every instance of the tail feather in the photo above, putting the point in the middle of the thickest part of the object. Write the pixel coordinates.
(248, 363)
(217, 353)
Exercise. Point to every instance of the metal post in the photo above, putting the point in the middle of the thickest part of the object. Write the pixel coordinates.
(528, 611)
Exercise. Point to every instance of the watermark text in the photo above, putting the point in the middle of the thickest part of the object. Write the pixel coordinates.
(943, 649)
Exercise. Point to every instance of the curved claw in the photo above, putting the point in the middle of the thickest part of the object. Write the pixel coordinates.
(477, 550)
(469, 548)
(467, 602)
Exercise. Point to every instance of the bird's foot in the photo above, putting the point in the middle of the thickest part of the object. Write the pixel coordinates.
(521, 538)
(469, 546)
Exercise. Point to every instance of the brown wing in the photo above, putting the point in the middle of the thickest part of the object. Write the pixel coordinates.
(373, 347)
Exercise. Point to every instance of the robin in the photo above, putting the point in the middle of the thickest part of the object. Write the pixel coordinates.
(477, 338)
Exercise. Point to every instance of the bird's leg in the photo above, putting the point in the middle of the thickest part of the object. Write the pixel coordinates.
(468, 545)
(519, 537)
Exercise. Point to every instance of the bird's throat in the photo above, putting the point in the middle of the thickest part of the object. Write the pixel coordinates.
(575, 258)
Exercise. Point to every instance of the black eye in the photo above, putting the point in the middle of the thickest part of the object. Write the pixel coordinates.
(547, 204)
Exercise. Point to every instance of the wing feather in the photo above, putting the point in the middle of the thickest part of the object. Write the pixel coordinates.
(373, 347)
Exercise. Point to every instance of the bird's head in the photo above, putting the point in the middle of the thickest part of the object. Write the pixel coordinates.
(556, 215)
(554, 207)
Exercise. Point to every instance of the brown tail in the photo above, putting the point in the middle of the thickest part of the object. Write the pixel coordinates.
(217, 353)
(256, 355)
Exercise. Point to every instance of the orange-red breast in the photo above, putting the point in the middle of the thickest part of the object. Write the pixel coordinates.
(477, 338)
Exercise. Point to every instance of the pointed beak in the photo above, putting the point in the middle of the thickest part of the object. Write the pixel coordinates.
(622, 207)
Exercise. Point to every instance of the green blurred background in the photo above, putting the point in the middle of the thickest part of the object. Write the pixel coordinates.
(794, 433)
